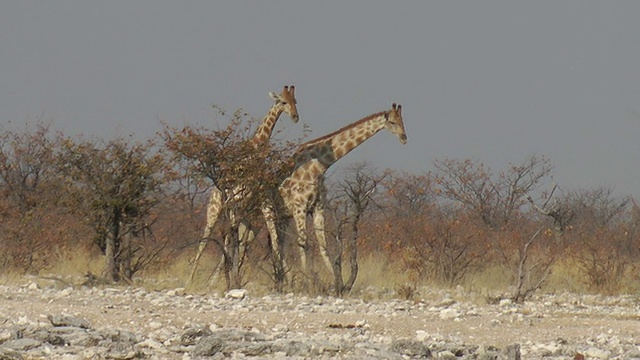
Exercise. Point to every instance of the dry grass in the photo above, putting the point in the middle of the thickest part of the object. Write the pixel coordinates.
(79, 262)
(375, 270)
(377, 277)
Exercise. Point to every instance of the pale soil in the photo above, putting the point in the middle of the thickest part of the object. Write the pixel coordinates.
(580, 321)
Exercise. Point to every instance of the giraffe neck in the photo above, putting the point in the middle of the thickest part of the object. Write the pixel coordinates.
(332, 147)
(264, 131)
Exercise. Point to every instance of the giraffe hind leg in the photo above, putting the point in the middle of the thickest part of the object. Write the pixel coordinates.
(318, 225)
(300, 219)
(213, 213)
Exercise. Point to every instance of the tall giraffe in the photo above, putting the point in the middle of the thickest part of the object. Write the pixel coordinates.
(284, 102)
(304, 192)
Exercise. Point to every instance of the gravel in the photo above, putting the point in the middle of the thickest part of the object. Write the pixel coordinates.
(40, 321)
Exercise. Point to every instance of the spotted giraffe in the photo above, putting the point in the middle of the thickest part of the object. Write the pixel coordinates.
(304, 192)
(218, 200)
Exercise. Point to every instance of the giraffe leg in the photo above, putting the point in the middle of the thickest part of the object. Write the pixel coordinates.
(230, 261)
(213, 213)
(300, 219)
(318, 225)
(245, 236)
(280, 264)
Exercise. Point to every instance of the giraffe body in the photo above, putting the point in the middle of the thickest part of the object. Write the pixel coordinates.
(304, 192)
(219, 200)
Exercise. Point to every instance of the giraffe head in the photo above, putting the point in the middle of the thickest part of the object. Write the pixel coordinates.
(394, 122)
(286, 100)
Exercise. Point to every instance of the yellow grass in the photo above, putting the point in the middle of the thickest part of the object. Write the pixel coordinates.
(377, 277)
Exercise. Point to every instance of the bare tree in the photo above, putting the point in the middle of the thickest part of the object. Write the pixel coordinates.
(533, 268)
(494, 198)
(531, 273)
(558, 210)
(497, 201)
(353, 195)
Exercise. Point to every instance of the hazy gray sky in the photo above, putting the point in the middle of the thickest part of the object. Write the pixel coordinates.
(492, 81)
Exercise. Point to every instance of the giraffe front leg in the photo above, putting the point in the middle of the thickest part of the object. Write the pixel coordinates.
(213, 213)
(318, 225)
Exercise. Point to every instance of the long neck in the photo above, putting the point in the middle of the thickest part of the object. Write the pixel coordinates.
(331, 148)
(264, 131)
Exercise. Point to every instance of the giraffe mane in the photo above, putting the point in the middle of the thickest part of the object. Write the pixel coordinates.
(342, 129)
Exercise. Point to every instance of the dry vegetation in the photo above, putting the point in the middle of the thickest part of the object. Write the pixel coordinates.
(131, 212)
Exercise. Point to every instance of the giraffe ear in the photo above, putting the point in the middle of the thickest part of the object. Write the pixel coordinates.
(273, 95)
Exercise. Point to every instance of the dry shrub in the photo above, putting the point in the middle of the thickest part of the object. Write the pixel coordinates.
(38, 240)
(407, 291)
(448, 249)
(603, 264)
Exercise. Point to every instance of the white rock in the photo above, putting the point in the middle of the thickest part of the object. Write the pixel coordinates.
(597, 353)
(150, 343)
(446, 302)
(546, 349)
(449, 313)
(506, 302)
(421, 335)
(33, 286)
(176, 291)
(238, 294)
(66, 292)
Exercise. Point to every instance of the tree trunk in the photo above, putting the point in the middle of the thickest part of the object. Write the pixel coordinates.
(126, 257)
(353, 254)
(111, 251)
(336, 264)
(232, 260)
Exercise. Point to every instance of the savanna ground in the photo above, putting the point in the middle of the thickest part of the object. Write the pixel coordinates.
(472, 313)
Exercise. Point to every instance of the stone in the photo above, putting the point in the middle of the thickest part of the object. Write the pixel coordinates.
(191, 335)
(22, 344)
(68, 320)
(167, 325)
(411, 348)
(511, 352)
(208, 346)
(596, 353)
(8, 354)
(237, 294)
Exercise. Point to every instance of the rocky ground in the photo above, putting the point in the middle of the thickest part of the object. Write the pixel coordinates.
(40, 321)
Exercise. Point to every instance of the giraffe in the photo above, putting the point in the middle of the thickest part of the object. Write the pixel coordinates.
(303, 191)
(283, 102)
